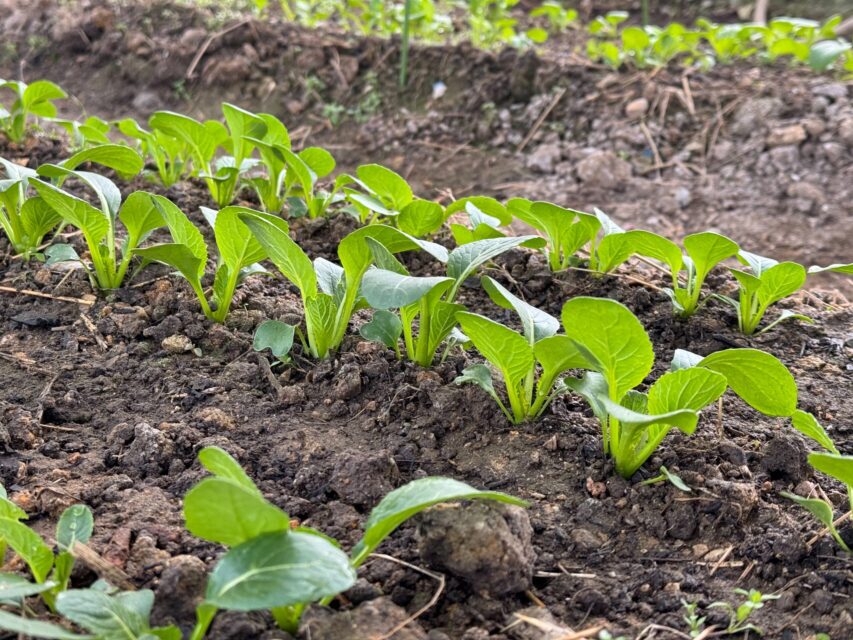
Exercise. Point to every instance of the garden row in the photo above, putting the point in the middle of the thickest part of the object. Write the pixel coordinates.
(270, 565)
(495, 23)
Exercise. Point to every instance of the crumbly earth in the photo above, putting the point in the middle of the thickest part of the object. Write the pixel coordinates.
(95, 405)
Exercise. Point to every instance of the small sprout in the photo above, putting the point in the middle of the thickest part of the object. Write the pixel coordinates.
(385, 327)
(695, 622)
(674, 479)
(739, 616)
(277, 336)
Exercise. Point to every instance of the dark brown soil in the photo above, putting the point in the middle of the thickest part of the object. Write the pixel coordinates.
(103, 414)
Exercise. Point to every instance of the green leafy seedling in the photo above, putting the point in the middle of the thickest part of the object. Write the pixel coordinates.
(619, 355)
(34, 99)
(766, 283)
(429, 300)
(271, 565)
(703, 250)
(169, 155)
(277, 336)
(383, 195)
(666, 475)
(739, 615)
(239, 253)
(330, 293)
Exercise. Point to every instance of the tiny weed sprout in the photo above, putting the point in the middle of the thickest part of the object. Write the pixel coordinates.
(330, 293)
(290, 177)
(739, 615)
(239, 253)
(667, 475)
(704, 251)
(619, 357)
(383, 195)
(168, 154)
(34, 99)
(51, 572)
(273, 565)
(429, 300)
(695, 623)
(766, 283)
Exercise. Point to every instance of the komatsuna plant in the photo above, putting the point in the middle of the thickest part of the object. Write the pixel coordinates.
(290, 177)
(766, 283)
(330, 292)
(384, 196)
(431, 300)
(619, 357)
(529, 388)
(239, 253)
(99, 225)
(34, 99)
(169, 154)
(272, 564)
(703, 251)
(27, 220)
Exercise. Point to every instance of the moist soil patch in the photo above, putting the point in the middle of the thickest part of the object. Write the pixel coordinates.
(96, 408)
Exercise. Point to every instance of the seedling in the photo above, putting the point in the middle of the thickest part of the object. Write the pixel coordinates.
(35, 99)
(105, 613)
(704, 251)
(51, 573)
(619, 355)
(26, 220)
(384, 195)
(99, 225)
(739, 616)
(169, 154)
(290, 177)
(277, 336)
(330, 293)
(667, 475)
(272, 565)
(767, 282)
(239, 253)
(429, 300)
(695, 622)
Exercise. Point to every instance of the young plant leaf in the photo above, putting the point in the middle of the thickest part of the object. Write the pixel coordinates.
(808, 425)
(275, 335)
(384, 327)
(29, 546)
(29, 628)
(278, 569)
(403, 503)
(75, 525)
(833, 464)
(536, 324)
(221, 464)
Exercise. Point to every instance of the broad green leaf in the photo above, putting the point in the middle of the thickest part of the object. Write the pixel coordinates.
(221, 464)
(277, 570)
(613, 250)
(242, 124)
(389, 290)
(833, 464)
(29, 628)
(838, 268)
(272, 233)
(384, 327)
(820, 509)
(384, 259)
(355, 254)
(177, 256)
(57, 253)
(201, 138)
(693, 388)
(318, 160)
(536, 324)
(29, 546)
(780, 281)
(78, 212)
(557, 354)
(238, 248)
(330, 278)
(682, 359)
(75, 525)
(275, 335)
(480, 375)
(824, 53)
(140, 216)
(9, 509)
(759, 378)
(14, 587)
(503, 347)
(36, 98)
(219, 510)
(37, 218)
(611, 338)
(406, 501)
(749, 283)
(421, 217)
(119, 157)
(488, 206)
(684, 419)
(107, 616)
(182, 230)
(465, 259)
(386, 184)
(808, 425)
(707, 249)
(651, 245)
(757, 264)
